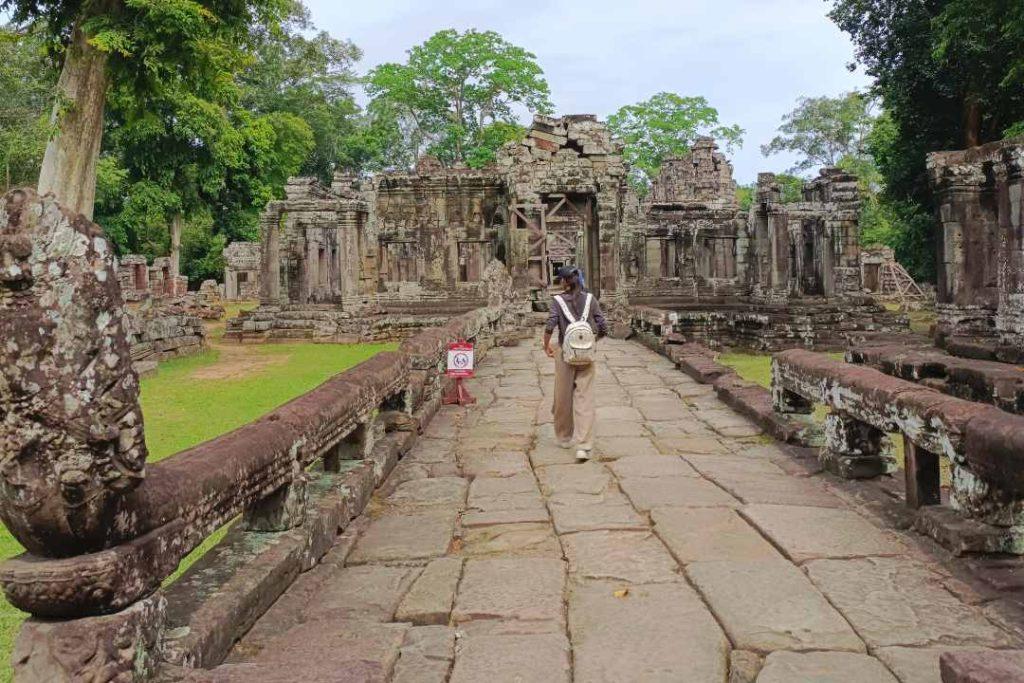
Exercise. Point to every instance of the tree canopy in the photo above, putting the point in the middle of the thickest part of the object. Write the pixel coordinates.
(824, 131)
(458, 93)
(666, 125)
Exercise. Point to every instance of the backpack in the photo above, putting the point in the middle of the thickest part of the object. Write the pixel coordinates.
(579, 345)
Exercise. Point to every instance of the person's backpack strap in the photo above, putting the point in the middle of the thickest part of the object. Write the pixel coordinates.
(565, 309)
(586, 308)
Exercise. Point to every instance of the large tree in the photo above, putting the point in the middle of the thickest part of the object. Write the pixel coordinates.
(950, 74)
(455, 88)
(823, 131)
(138, 45)
(666, 125)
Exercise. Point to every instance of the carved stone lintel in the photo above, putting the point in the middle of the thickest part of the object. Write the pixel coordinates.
(124, 646)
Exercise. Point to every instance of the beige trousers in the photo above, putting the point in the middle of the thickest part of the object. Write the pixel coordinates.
(574, 407)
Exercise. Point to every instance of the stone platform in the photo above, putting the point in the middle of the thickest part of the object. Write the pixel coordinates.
(694, 549)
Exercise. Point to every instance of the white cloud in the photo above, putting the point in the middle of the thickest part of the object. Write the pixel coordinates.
(751, 59)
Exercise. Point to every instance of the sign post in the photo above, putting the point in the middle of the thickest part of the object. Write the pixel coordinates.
(460, 366)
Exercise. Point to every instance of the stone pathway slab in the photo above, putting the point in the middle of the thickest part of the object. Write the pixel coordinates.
(770, 605)
(809, 533)
(893, 601)
(524, 593)
(654, 466)
(541, 658)
(429, 601)
(518, 540)
(649, 633)
(405, 537)
(709, 534)
(682, 445)
(366, 592)
(500, 464)
(919, 665)
(615, 447)
(823, 667)
(626, 556)
(784, 490)
(447, 492)
(648, 493)
(587, 477)
(586, 517)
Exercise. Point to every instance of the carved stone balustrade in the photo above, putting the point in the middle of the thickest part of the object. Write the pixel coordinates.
(984, 446)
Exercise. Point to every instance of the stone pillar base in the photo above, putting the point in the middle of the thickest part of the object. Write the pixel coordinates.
(124, 646)
(855, 449)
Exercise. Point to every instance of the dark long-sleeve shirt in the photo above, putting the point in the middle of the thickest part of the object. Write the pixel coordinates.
(576, 302)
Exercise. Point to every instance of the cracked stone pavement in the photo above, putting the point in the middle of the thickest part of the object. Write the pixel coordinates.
(691, 548)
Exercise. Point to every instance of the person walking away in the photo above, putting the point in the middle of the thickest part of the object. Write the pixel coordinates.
(577, 315)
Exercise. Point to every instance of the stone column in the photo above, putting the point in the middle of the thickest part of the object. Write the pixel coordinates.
(283, 509)
(921, 469)
(356, 446)
(270, 261)
(855, 449)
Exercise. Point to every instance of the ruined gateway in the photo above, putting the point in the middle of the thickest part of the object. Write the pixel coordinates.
(378, 258)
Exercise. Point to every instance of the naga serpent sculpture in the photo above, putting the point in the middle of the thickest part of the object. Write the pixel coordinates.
(71, 430)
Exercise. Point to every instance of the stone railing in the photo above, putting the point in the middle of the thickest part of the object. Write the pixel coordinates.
(293, 470)
(104, 530)
(983, 445)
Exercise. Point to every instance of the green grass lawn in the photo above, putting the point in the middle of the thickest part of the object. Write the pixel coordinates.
(191, 400)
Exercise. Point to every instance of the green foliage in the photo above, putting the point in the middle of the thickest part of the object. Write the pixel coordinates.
(455, 86)
(745, 195)
(490, 139)
(824, 131)
(307, 73)
(27, 80)
(666, 125)
(792, 187)
(380, 141)
(1016, 130)
(949, 73)
(202, 250)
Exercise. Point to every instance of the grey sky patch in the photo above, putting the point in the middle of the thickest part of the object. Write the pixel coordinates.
(751, 59)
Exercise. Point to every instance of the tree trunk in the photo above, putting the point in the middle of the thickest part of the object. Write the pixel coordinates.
(972, 122)
(176, 225)
(69, 164)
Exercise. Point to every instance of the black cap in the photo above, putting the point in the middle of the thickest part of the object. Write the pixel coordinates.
(566, 271)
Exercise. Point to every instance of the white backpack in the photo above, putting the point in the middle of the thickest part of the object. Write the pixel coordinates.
(579, 345)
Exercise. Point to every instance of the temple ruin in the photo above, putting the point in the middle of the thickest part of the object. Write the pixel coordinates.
(981, 259)
(242, 271)
(377, 534)
(371, 257)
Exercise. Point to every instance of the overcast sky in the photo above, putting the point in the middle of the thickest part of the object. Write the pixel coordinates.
(751, 59)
